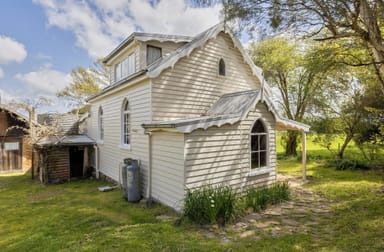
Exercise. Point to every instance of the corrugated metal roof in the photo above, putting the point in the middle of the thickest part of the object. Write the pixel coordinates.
(229, 109)
(66, 140)
(144, 37)
(67, 124)
(234, 103)
(172, 58)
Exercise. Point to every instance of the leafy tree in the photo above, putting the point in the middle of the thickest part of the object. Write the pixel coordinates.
(85, 82)
(362, 21)
(300, 72)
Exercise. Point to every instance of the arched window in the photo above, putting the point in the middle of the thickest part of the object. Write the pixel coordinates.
(221, 67)
(125, 123)
(101, 124)
(259, 142)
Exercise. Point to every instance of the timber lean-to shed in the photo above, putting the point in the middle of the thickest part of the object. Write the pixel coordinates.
(192, 110)
(65, 154)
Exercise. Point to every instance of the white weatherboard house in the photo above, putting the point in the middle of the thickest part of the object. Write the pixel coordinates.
(193, 110)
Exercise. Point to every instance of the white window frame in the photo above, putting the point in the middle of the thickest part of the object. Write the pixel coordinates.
(126, 125)
(260, 169)
(100, 132)
(125, 68)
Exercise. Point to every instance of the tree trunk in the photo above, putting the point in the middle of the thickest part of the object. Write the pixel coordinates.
(340, 154)
(372, 36)
(291, 145)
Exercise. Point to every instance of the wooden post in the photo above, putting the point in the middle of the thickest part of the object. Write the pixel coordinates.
(304, 154)
(85, 162)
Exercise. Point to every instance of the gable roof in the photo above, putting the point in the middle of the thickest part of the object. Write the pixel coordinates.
(21, 117)
(144, 37)
(229, 109)
(168, 61)
(159, 66)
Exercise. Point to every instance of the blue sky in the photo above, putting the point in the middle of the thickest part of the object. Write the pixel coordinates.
(41, 41)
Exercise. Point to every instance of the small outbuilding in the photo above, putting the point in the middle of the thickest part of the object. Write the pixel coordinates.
(15, 146)
(64, 155)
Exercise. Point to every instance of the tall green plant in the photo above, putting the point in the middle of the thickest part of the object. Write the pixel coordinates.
(209, 205)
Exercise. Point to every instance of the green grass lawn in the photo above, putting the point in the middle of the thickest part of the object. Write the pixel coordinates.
(76, 217)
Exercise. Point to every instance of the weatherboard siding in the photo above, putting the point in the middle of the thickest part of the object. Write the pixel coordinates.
(166, 48)
(111, 152)
(168, 168)
(193, 84)
(222, 155)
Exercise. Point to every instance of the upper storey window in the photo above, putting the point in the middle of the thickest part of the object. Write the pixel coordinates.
(221, 67)
(153, 53)
(125, 67)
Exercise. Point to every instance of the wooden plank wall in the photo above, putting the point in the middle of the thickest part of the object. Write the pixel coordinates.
(58, 165)
(222, 155)
(111, 151)
(191, 87)
(168, 168)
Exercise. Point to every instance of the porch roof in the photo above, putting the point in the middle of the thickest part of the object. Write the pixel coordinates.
(229, 109)
(68, 140)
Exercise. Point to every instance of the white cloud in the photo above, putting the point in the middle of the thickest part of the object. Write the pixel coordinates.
(11, 50)
(100, 25)
(6, 96)
(42, 56)
(1, 73)
(45, 81)
(174, 17)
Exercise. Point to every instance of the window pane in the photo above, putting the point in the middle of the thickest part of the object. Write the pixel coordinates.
(131, 64)
(153, 53)
(258, 127)
(263, 142)
(263, 158)
(124, 68)
(126, 128)
(254, 142)
(118, 72)
(255, 160)
(221, 67)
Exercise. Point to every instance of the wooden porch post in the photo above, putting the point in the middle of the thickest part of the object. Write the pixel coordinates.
(304, 154)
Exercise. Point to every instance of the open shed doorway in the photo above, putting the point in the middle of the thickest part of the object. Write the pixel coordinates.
(76, 161)
(10, 157)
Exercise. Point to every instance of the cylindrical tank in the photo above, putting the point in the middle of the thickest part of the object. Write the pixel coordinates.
(124, 179)
(133, 182)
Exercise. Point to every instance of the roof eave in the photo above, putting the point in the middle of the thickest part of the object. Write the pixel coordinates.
(117, 84)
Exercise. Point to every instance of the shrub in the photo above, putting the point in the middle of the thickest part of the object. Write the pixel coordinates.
(260, 198)
(209, 205)
(346, 164)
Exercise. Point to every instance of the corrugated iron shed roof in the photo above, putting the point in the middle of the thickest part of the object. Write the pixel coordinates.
(69, 140)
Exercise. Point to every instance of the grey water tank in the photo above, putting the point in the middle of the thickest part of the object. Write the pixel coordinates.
(131, 167)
